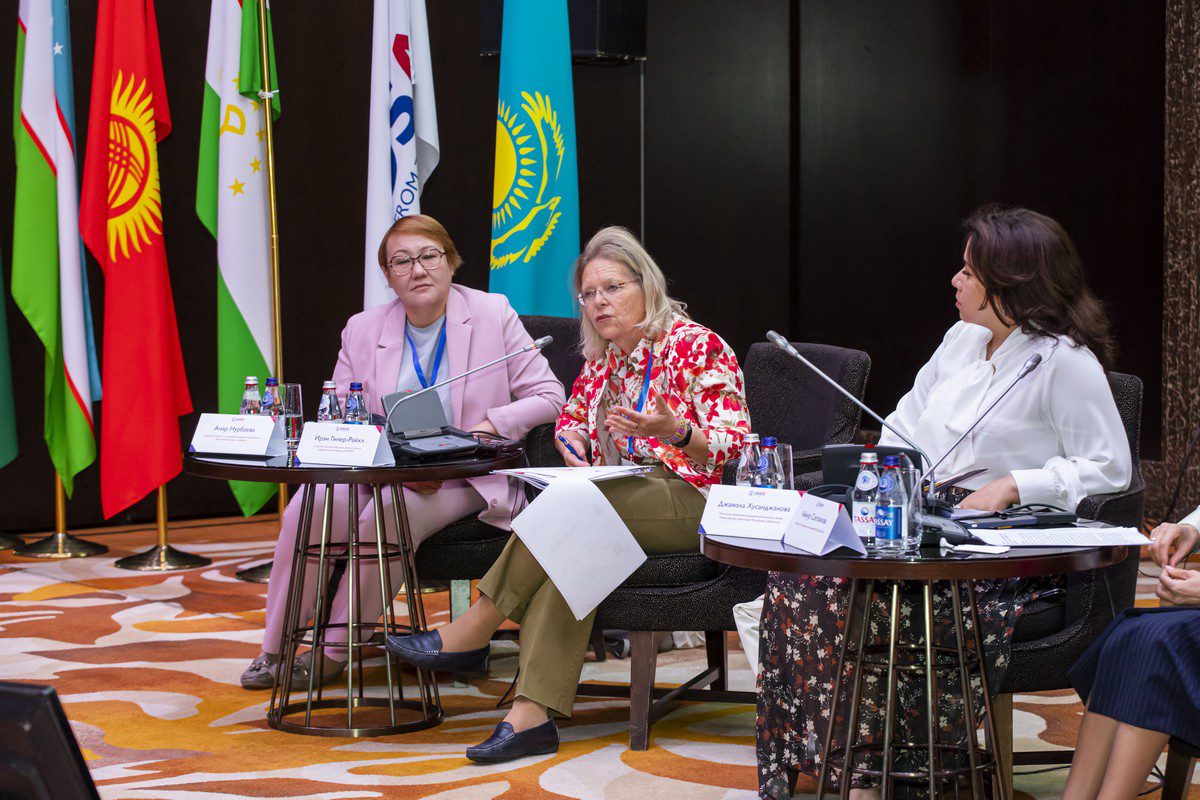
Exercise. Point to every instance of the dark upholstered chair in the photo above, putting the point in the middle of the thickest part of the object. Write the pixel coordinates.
(1181, 761)
(689, 592)
(464, 550)
(1055, 630)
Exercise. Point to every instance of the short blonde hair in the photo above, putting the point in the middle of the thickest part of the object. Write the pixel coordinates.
(617, 244)
(430, 228)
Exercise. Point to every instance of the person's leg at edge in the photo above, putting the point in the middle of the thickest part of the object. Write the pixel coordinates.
(1093, 751)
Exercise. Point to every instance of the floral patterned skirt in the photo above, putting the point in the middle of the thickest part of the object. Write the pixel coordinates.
(803, 623)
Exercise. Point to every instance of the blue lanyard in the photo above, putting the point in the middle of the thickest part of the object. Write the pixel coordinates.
(437, 359)
(641, 403)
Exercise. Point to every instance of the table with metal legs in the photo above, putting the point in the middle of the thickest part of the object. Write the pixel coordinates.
(306, 706)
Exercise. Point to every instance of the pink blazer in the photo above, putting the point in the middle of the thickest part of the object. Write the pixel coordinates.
(514, 396)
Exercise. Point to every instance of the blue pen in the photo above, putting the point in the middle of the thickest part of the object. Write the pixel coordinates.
(571, 449)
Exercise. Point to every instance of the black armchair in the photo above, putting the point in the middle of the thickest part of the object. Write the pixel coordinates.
(464, 550)
(1054, 631)
(687, 591)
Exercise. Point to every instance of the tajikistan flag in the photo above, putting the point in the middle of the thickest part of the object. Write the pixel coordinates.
(232, 202)
(49, 281)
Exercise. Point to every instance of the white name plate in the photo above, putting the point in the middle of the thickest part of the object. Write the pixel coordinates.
(237, 435)
(820, 526)
(746, 512)
(337, 445)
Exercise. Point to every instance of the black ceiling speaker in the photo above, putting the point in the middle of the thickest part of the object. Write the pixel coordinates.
(39, 757)
(601, 30)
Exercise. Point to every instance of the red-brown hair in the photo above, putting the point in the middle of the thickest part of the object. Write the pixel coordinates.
(430, 228)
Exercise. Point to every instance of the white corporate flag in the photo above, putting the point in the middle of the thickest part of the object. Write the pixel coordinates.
(403, 142)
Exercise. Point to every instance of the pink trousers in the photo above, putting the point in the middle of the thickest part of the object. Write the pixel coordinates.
(427, 514)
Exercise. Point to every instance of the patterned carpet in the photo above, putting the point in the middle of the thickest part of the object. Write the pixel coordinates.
(147, 668)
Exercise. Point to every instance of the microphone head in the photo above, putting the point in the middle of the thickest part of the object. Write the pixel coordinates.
(542, 342)
(778, 340)
(1030, 364)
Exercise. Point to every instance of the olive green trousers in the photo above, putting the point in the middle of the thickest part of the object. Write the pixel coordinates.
(663, 513)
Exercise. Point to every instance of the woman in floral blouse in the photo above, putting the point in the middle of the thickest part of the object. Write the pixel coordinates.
(657, 390)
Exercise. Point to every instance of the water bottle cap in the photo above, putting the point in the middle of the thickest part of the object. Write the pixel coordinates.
(356, 386)
(770, 441)
(751, 438)
(868, 457)
(272, 381)
(252, 379)
(329, 385)
(891, 461)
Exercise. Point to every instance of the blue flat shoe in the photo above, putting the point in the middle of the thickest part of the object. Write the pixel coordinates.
(424, 651)
(505, 744)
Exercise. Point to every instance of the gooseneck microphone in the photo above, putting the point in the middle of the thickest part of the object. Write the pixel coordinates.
(537, 344)
(786, 346)
(1030, 365)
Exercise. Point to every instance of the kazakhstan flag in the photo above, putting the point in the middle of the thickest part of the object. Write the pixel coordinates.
(535, 199)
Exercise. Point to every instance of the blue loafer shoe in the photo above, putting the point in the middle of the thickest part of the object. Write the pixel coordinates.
(424, 650)
(505, 744)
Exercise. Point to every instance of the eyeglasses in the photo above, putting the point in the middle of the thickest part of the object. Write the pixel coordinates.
(610, 291)
(429, 260)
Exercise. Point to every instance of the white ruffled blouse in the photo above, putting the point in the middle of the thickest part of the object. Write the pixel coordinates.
(1057, 432)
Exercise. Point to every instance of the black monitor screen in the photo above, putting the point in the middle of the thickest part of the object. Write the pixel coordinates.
(39, 758)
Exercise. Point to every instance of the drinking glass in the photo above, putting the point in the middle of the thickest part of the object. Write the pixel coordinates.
(293, 413)
(785, 460)
(911, 478)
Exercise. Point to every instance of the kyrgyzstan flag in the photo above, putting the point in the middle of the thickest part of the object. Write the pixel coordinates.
(145, 388)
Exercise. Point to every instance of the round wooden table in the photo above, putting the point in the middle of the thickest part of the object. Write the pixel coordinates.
(298, 630)
(927, 657)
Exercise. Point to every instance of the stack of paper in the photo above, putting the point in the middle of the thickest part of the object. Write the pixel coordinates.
(1062, 537)
(541, 477)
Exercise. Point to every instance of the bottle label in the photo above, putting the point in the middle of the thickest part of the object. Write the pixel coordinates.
(864, 520)
(886, 482)
(867, 480)
(887, 522)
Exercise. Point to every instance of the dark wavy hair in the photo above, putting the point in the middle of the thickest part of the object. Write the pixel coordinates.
(1034, 278)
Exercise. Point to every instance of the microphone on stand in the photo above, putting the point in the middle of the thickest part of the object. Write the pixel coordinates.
(786, 346)
(537, 344)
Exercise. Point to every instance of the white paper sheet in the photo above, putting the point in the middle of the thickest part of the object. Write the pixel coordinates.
(1062, 537)
(580, 540)
(542, 476)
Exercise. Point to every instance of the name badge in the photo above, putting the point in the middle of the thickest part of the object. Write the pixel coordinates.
(337, 445)
(820, 526)
(251, 436)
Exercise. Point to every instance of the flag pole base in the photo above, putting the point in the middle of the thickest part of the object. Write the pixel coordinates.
(162, 558)
(10, 542)
(259, 574)
(429, 587)
(59, 545)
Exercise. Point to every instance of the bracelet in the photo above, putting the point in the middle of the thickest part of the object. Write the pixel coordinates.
(682, 434)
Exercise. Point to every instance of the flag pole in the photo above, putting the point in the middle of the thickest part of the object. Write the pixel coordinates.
(59, 544)
(262, 573)
(162, 557)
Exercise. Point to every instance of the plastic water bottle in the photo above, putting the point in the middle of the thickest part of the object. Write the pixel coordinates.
(271, 404)
(862, 498)
(356, 406)
(330, 409)
(770, 471)
(251, 401)
(891, 509)
(748, 464)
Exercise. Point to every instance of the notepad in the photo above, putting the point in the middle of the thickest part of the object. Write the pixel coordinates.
(1062, 537)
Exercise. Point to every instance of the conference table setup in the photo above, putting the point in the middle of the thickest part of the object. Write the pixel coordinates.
(811, 413)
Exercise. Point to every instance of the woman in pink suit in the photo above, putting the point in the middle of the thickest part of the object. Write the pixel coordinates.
(435, 329)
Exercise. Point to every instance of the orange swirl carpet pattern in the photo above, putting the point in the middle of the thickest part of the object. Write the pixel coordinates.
(147, 668)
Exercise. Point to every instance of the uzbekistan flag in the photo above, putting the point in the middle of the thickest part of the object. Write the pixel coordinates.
(232, 202)
(535, 195)
(121, 219)
(403, 140)
(49, 280)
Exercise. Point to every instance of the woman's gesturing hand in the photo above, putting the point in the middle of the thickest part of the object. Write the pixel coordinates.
(1178, 587)
(995, 496)
(578, 442)
(1171, 543)
(659, 423)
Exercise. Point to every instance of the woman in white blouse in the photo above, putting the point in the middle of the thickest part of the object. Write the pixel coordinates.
(1056, 438)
